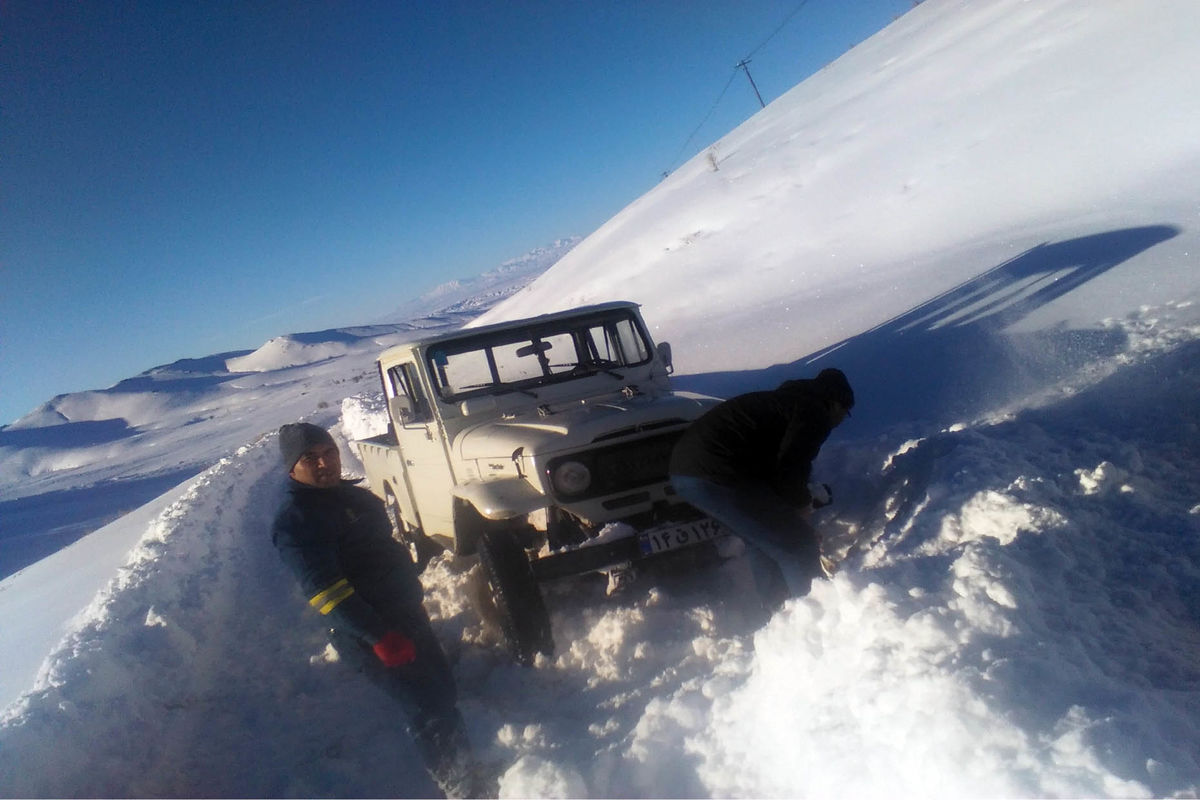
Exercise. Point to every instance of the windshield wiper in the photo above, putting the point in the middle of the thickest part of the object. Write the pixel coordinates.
(591, 368)
(605, 367)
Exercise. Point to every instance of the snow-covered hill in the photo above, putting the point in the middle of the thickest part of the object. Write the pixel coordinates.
(986, 216)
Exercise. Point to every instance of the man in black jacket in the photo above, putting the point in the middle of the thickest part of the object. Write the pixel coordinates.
(337, 539)
(747, 463)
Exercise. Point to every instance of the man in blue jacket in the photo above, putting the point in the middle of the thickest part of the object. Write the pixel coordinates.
(747, 463)
(337, 539)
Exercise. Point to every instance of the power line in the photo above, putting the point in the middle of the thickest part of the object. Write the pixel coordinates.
(775, 33)
(742, 66)
(707, 116)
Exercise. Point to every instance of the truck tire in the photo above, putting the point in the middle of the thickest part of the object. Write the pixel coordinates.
(420, 547)
(516, 595)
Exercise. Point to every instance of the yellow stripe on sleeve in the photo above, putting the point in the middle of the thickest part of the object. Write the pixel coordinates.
(328, 600)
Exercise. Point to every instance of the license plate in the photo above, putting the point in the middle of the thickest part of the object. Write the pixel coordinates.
(683, 534)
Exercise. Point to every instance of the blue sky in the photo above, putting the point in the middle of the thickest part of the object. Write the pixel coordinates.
(182, 179)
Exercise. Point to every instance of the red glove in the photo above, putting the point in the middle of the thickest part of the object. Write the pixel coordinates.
(395, 649)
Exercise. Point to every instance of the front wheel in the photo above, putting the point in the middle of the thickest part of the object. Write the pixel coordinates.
(516, 595)
(420, 547)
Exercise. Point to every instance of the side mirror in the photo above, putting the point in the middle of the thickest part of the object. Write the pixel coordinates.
(477, 405)
(664, 355)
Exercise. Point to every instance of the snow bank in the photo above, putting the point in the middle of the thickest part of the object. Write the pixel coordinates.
(283, 352)
(364, 416)
(197, 666)
(1016, 616)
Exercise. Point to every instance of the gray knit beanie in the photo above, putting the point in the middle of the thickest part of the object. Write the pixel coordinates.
(297, 437)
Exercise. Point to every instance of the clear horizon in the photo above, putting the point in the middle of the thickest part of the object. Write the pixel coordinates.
(187, 179)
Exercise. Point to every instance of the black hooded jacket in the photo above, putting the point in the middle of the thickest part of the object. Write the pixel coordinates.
(768, 438)
(339, 544)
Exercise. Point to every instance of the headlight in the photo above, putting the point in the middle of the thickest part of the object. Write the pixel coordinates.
(571, 477)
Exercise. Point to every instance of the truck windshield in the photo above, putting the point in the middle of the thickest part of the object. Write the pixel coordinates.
(535, 355)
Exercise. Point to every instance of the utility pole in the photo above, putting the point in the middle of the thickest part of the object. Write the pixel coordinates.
(743, 64)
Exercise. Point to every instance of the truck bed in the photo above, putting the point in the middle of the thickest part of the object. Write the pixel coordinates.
(383, 440)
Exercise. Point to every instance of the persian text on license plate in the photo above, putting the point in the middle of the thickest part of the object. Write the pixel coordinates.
(671, 537)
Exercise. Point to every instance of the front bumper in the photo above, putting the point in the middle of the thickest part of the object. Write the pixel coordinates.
(658, 541)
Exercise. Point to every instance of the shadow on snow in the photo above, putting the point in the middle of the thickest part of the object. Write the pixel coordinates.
(949, 358)
(34, 527)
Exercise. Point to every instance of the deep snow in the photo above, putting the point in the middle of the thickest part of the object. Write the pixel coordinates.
(986, 216)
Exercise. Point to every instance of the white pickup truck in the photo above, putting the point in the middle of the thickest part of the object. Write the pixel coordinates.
(524, 442)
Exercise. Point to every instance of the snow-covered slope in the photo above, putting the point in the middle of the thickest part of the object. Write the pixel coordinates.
(985, 215)
(960, 138)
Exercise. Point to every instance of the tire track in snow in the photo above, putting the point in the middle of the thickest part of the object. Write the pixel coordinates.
(198, 672)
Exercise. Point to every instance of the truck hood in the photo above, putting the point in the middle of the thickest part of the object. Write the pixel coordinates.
(574, 425)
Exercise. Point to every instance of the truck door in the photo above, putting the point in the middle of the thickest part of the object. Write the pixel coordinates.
(422, 447)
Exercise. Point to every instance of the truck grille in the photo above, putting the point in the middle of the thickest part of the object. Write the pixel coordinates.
(621, 467)
(666, 423)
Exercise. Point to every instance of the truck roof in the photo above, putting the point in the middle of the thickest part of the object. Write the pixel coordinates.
(459, 333)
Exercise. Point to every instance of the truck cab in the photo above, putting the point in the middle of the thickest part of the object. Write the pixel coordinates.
(540, 444)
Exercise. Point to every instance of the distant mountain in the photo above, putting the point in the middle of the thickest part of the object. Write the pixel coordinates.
(82, 459)
(451, 304)
(483, 291)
